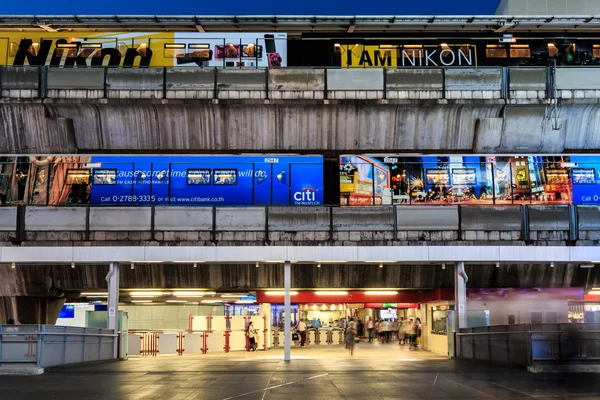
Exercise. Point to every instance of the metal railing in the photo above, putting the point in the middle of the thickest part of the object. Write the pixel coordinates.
(532, 344)
(45, 346)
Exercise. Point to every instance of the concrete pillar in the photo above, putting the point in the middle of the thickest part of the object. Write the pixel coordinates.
(113, 301)
(287, 337)
(264, 309)
(460, 300)
(460, 295)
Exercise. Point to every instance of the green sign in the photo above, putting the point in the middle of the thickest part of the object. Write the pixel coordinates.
(390, 304)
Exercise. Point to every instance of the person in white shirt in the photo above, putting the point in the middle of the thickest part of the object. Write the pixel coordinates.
(371, 328)
(301, 328)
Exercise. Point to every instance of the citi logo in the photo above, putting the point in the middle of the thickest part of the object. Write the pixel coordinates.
(307, 194)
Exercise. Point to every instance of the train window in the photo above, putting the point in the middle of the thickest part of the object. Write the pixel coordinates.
(12, 49)
(69, 48)
(200, 51)
(495, 51)
(584, 176)
(554, 175)
(520, 51)
(552, 50)
(174, 50)
(198, 177)
(412, 51)
(93, 46)
(225, 176)
(123, 47)
(104, 177)
(142, 49)
(596, 51)
(437, 176)
(252, 50)
(78, 176)
(230, 50)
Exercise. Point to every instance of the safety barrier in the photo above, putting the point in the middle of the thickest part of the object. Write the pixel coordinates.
(31, 348)
(532, 345)
(154, 343)
(323, 223)
(302, 83)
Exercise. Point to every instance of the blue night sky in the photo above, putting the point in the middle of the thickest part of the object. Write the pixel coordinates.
(249, 7)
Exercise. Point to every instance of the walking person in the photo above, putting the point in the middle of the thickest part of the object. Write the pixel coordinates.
(252, 336)
(371, 329)
(351, 337)
(301, 328)
(380, 331)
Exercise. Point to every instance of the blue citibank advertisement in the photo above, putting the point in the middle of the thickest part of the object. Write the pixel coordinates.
(585, 175)
(207, 180)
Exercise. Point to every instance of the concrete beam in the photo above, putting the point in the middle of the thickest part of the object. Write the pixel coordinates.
(302, 254)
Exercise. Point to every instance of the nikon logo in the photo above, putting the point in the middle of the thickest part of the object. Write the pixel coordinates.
(77, 55)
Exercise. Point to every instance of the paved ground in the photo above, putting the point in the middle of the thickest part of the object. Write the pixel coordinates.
(375, 372)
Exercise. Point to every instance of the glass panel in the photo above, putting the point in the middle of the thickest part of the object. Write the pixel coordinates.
(439, 322)
(198, 176)
(225, 177)
(173, 50)
(495, 51)
(105, 177)
(78, 176)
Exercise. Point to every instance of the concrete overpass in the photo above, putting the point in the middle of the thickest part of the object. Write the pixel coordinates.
(470, 110)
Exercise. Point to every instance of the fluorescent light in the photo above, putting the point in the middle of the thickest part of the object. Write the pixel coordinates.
(192, 294)
(328, 293)
(147, 294)
(176, 301)
(595, 292)
(586, 266)
(244, 302)
(94, 294)
(233, 295)
(13, 265)
(280, 293)
(380, 293)
(141, 301)
(72, 265)
(211, 301)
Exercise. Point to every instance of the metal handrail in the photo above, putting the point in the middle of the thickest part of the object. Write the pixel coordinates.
(515, 332)
(57, 334)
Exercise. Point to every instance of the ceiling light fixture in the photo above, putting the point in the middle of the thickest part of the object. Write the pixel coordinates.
(277, 293)
(141, 301)
(257, 264)
(497, 265)
(72, 265)
(195, 265)
(382, 292)
(443, 266)
(318, 265)
(332, 293)
(380, 265)
(552, 264)
(13, 265)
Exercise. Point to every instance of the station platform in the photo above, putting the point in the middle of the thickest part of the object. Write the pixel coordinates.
(376, 371)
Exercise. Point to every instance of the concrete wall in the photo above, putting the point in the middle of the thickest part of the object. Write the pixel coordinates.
(479, 128)
(456, 84)
(183, 219)
(8, 219)
(260, 226)
(55, 219)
